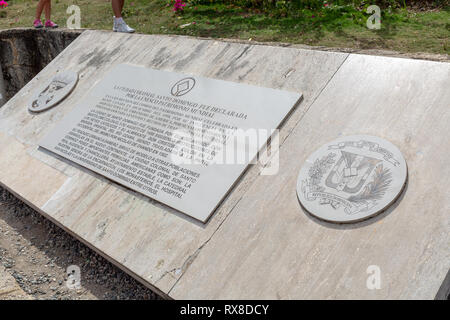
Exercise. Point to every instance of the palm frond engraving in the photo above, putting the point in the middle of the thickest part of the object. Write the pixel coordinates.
(320, 167)
(375, 189)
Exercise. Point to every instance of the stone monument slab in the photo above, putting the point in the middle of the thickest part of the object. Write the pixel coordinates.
(181, 140)
(259, 243)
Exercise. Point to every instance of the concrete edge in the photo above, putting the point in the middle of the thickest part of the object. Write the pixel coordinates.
(373, 52)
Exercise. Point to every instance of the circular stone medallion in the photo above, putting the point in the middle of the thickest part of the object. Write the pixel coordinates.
(53, 91)
(351, 179)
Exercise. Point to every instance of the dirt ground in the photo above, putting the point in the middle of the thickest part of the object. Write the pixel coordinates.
(37, 254)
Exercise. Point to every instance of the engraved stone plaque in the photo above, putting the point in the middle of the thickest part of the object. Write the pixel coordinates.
(54, 91)
(182, 140)
(351, 179)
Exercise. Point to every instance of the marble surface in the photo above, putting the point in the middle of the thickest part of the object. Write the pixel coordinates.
(259, 243)
(154, 244)
(282, 252)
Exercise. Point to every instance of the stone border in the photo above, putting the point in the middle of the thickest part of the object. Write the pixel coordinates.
(24, 52)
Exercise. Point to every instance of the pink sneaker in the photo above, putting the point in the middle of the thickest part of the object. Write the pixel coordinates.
(50, 24)
(37, 23)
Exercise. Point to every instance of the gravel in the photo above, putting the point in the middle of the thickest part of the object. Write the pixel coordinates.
(37, 254)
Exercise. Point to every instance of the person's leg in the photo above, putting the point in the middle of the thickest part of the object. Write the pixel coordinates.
(117, 6)
(119, 24)
(48, 9)
(39, 8)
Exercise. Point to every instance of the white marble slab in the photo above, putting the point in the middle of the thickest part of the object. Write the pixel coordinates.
(149, 240)
(282, 252)
(259, 243)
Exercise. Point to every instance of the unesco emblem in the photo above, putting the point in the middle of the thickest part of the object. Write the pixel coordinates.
(351, 179)
(182, 87)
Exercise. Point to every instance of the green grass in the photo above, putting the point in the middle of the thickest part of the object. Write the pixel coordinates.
(338, 26)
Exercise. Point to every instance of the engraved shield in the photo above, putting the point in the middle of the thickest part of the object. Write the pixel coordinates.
(350, 172)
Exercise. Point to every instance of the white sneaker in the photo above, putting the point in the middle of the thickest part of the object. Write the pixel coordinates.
(121, 26)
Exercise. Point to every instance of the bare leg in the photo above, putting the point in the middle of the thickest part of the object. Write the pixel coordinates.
(48, 9)
(117, 6)
(119, 24)
(39, 8)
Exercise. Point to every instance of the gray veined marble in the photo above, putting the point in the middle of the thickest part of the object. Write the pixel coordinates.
(278, 252)
(54, 91)
(351, 178)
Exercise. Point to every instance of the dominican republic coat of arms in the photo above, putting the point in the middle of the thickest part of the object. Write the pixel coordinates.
(54, 91)
(351, 178)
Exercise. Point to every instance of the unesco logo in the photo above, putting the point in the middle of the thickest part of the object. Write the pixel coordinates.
(182, 87)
